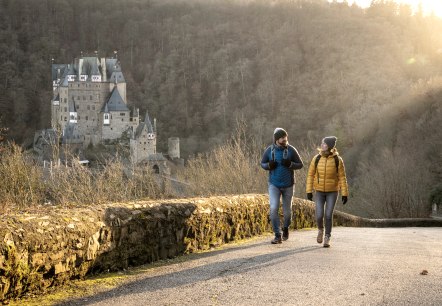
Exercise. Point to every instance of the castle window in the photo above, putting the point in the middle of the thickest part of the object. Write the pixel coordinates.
(106, 116)
(93, 107)
(65, 109)
(77, 106)
(65, 119)
(122, 119)
(90, 97)
(88, 107)
(87, 118)
(122, 114)
(78, 117)
(65, 100)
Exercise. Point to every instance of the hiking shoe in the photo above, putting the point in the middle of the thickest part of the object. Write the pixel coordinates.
(277, 239)
(285, 233)
(327, 242)
(320, 236)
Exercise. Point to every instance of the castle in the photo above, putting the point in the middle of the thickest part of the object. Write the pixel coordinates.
(89, 106)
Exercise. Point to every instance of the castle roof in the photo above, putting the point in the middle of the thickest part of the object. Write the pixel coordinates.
(89, 66)
(70, 70)
(148, 123)
(70, 134)
(144, 125)
(115, 103)
(117, 77)
(58, 71)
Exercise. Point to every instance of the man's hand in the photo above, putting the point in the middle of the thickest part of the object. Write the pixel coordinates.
(272, 165)
(344, 200)
(310, 196)
(286, 163)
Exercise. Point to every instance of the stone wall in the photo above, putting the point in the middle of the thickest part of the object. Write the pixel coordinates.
(53, 246)
(48, 248)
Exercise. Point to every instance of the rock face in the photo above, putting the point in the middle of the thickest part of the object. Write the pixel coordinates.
(54, 246)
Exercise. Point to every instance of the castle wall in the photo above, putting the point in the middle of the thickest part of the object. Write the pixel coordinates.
(139, 147)
(119, 122)
(89, 98)
(60, 113)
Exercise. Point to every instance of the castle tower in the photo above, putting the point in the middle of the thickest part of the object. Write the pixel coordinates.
(144, 141)
(173, 147)
(151, 136)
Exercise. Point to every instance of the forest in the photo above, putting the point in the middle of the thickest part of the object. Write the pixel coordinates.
(372, 77)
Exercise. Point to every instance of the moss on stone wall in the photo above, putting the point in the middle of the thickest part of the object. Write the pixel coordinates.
(46, 249)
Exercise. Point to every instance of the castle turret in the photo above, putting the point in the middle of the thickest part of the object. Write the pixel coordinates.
(173, 147)
(151, 136)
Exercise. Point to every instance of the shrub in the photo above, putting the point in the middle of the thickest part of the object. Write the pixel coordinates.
(21, 184)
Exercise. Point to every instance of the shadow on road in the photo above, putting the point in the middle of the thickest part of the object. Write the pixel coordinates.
(193, 275)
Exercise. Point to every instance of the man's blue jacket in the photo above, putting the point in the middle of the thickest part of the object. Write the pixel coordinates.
(281, 176)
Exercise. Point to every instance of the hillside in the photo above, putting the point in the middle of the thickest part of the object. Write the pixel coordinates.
(312, 67)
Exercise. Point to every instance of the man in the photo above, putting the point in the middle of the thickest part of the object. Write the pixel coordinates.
(281, 159)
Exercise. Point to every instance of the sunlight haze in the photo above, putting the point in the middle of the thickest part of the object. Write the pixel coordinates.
(428, 6)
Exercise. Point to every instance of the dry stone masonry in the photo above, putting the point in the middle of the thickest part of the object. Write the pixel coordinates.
(49, 248)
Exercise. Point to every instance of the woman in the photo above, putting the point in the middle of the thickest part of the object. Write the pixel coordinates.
(326, 175)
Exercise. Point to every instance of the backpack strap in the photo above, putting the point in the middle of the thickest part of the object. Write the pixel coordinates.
(318, 157)
(336, 163)
(285, 154)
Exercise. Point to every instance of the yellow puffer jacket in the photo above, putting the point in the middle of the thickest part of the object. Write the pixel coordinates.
(325, 178)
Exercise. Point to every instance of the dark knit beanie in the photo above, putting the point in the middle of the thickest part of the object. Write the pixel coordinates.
(278, 133)
(330, 141)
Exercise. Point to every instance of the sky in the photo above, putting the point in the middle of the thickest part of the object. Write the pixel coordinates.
(428, 6)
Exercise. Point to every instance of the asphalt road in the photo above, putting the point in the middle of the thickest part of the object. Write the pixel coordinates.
(363, 266)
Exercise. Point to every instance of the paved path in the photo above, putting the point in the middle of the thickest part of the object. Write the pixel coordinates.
(364, 266)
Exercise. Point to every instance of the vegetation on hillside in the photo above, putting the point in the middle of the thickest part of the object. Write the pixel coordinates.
(370, 77)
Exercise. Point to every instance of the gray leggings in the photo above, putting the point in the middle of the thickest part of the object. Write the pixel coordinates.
(329, 200)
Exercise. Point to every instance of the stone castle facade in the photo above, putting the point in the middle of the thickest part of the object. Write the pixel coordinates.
(89, 106)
